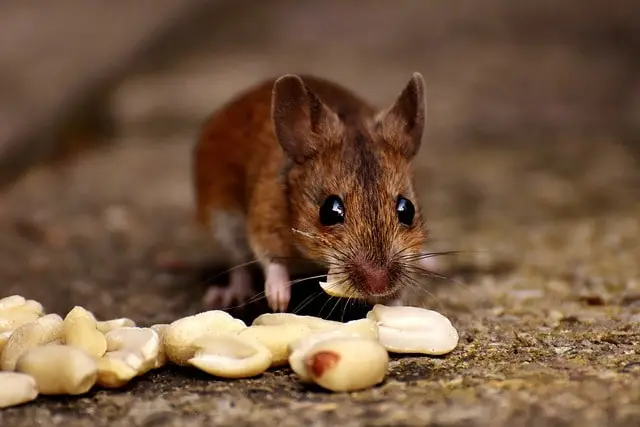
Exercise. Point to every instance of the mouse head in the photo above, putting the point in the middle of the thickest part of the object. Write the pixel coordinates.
(349, 183)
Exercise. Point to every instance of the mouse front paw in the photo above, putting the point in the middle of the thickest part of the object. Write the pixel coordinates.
(238, 292)
(277, 287)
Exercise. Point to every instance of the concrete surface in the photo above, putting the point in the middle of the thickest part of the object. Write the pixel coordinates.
(545, 296)
(58, 60)
(530, 169)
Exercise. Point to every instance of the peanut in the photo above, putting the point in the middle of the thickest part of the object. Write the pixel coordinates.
(105, 326)
(144, 343)
(298, 349)
(4, 337)
(180, 334)
(16, 389)
(14, 317)
(19, 302)
(117, 368)
(346, 364)
(276, 338)
(44, 330)
(227, 355)
(11, 301)
(336, 286)
(365, 328)
(314, 323)
(59, 369)
(80, 330)
(34, 306)
(414, 330)
(160, 329)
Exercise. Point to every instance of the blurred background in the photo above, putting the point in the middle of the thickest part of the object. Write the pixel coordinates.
(533, 112)
(520, 75)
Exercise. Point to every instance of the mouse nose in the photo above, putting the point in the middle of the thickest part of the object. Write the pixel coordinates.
(376, 279)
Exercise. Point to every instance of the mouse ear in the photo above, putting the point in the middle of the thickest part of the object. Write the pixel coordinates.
(402, 124)
(302, 122)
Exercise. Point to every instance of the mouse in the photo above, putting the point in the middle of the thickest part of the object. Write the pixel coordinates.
(298, 173)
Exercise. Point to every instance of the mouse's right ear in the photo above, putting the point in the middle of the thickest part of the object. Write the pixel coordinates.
(402, 124)
(302, 122)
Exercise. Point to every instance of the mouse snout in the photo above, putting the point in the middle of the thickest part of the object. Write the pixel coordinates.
(374, 278)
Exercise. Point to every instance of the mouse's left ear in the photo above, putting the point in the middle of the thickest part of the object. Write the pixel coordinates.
(303, 124)
(402, 124)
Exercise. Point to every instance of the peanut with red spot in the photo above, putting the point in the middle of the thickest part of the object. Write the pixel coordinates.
(346, 363)
(322, 361)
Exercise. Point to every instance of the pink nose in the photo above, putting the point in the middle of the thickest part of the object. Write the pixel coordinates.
(376, 278)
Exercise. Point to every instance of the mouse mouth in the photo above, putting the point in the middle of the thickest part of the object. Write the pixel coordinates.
(339, 285)
(375, 280)
(374, 285)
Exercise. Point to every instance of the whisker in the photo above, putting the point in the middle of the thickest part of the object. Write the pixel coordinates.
(344, 309)
(213, 277)
(423, 272)
(405, 249)
(245, 264)
(257, 297)
(323, 239)
(308, 300)
(353, 299)
(465, 287)
(419, 290)
(349, 293)
(293, 282)
(424, 255)
(337, 301)
(338, 283)
(324, 305)
(260, 295)
(304, 233)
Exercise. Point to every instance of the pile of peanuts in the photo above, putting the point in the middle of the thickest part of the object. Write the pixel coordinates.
(50, 355)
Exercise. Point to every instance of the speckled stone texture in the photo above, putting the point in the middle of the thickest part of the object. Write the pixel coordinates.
(545, 294)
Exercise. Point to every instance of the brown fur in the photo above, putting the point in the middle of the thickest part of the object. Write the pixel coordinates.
(276, 151)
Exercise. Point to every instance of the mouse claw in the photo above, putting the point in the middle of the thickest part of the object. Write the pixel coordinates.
(237, 293)
(277, 287)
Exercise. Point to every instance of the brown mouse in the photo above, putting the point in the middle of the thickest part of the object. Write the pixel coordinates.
(298, 172)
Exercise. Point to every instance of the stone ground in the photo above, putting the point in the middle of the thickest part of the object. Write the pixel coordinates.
(546, 295)
(530, 170)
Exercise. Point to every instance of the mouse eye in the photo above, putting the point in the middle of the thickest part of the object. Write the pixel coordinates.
(406, 211)
(332, 211)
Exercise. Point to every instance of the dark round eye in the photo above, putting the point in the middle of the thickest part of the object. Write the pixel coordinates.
(332, 211)
(406, 211)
